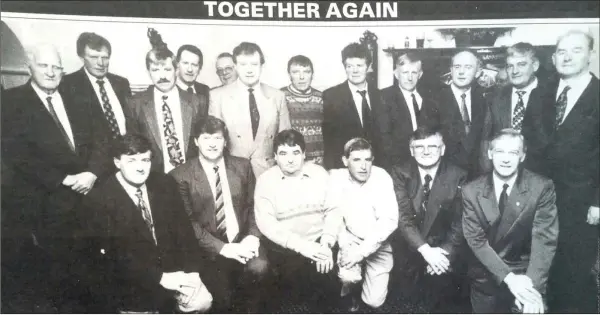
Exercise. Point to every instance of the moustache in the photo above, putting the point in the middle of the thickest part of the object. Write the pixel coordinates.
(163, 80)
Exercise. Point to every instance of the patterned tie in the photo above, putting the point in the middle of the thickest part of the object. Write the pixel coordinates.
(254, 114)
(366, 114)
(503, 199)
(190, 89)
(426, 191)
(219, 205)
(415, 105)
(561, 105)
(58, 123)
(519, 113)
(108, 112)
(175, 155)
(464, 112)
(145, 212)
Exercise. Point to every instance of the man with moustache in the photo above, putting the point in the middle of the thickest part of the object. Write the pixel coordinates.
(305, 105)
(165, 113)
(511, 225)
(254, 112)
(104, 94)
(428, 244)
(189, 63)
(513, 106)
(55, 157)
(403, 105)
(571, 161)
(352, 109)
(225, 69)
(461, 113)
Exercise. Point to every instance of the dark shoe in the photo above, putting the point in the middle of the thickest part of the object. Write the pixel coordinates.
(350, 303)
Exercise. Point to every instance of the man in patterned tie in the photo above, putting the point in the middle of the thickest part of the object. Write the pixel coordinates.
(189, 64)
(163, 112)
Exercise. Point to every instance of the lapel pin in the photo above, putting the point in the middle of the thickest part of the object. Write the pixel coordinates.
(518, 203)
(102, 251)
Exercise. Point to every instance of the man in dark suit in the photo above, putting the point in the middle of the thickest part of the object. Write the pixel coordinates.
(352, 109)
(572, 159)
(189, 63)
(403, 105)
(429, 240)
(511, 225)
(144, 241)
(102, 93)
(514, 105)
(461, 114)
(55, 154)
(218, 195)
(165, 113)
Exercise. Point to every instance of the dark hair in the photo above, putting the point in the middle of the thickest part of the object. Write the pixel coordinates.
(159, 51)
(425, 131)
(246, 48)
(300, 60)
(521, 48)
(93, 41)
(130, 144)
(356, 50)
(356, 144)
(194, 50)
(210, 125)
(224, 54)
(289, 137)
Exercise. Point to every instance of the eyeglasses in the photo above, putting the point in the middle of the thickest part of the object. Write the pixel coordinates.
(222, 71)
(430, 148)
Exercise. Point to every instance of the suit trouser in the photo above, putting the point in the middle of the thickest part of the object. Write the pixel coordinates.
(497, 300)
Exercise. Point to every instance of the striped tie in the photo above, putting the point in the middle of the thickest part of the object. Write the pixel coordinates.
(145, 212)
(219, 208)
(519, 113)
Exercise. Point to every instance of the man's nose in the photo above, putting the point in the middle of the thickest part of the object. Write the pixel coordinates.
(100, 62)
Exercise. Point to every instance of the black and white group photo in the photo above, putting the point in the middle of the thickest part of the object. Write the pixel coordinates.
(178, 165)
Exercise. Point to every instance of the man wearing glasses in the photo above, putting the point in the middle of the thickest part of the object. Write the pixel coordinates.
(225, 69)
(428, 242)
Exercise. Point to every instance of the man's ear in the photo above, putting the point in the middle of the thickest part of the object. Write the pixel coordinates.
(117, 163)
(536, 65)
(345, 161)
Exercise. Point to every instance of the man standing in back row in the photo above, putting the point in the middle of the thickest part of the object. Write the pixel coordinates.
(189, 63)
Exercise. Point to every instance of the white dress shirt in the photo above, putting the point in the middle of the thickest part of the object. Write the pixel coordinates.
(577, 85)
(431, 172)
(132, 193)
(499, 183)
(182, 85)
(515, 96)
(116, 106)
(408, 98)
(175, 106)
(457, 95)
(59, 108)
(358, 98)
(231, 223)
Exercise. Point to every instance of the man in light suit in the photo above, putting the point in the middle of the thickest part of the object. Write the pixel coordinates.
(101, 93)
(225, 69)
(165, 113)
(218, 195)
(189, 64)
(352, 109)
(511, 225)
(572, 161)
(253, 111)
(429, 240)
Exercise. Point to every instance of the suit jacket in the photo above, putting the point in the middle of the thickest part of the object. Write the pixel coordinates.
(202, 91)
(80, 88)
(465, 151)
(123, 246)
(228, 104)
(341, 123)
(440, 225)
(141, 118)
(199, 203)
(397, 136)
(523, 240)
(40, 158)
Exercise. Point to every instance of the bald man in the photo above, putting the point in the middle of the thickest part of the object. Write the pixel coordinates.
(50, 146)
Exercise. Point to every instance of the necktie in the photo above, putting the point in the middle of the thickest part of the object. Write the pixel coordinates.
(519, 113)
(415, 106)
(464, 112)
(503, 199)
(58, 123)
(561, 105)
(426, 191)
(366, 114)
(175, 155)
(108, 112)
(254, 114)
(219, 205)
(146, 215)
(190, 89)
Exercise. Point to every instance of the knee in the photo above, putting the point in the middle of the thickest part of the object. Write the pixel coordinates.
(258, 268)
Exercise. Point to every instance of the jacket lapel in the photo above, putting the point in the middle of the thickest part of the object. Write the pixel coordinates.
(186, 117)
(579, 110)
(201, 183)
(132, 213)
(349, 101)
(150, 114)
(414, 186)
(514, 207)
(488, 203)
(433, 204)
(401, 102)
(505, 108)
(234, 181)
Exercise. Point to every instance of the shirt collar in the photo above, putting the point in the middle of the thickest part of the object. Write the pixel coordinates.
(457, 92)
(43, 95)
(529, 87)
(131, 190)
(210, 164)
(407, 94)
(498, 183)
(578, 82)
(303, 172)
(354, 89)
(244, 87)
(92, 78)
(182, 85)
(431, 172)
(173, 93)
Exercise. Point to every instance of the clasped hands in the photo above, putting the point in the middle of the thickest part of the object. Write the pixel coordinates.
(527, 298)
(320, 254)
(178, 280)
(242, 251)
(81, 183)
(437, 262)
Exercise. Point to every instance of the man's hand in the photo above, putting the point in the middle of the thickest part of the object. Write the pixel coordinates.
(325, 266)
(251, 243)
(236, 251)
(315, 251)
(529, 308)
(69, 181)
(351, 258)
(173, 280)
(436, 259)
(81, 183)
(593, 216)
(526, 295)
